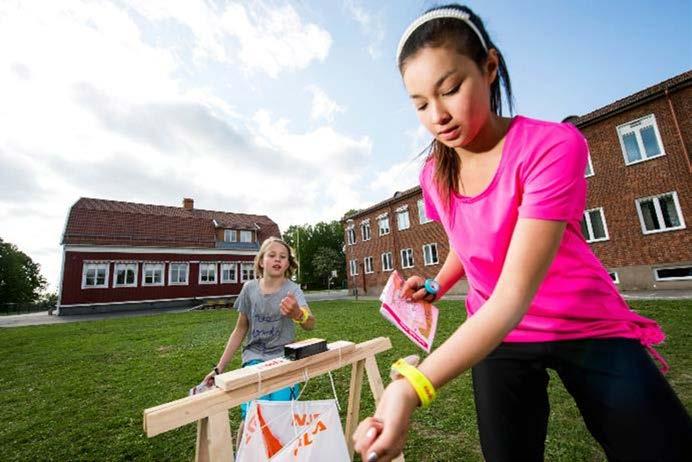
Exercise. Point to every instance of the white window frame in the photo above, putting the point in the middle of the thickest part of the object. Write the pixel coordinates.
(245, 235)
(353, 267)
(589, 226)
(616, 279)
(400, 214)
(659, 214)
(368, 268)
(365, 230)
(684, 278)
(642, 122)
(128, 266)
(351, 235)
(422, 217)
(225, 266)
(247, 268)
(204, 267)
(425, 255)
(230, 235)
(383, 231)
(170, 273)
(153, 267)
(408, 251)
(589, 168)
(387, 257)
(96, 266)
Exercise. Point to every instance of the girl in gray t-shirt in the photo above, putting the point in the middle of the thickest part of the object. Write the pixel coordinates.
(269, 309)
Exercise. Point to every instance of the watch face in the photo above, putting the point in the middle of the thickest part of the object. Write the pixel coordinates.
(432, 286)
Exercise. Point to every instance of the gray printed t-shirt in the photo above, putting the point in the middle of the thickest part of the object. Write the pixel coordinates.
(268, 330)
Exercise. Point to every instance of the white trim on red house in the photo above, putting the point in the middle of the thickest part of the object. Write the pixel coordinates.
(176, 250)
(150, 301)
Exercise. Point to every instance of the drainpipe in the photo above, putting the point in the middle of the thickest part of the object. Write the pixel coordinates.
(677, 128)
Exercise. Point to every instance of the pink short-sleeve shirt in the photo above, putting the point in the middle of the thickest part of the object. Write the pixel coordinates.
(541, 175)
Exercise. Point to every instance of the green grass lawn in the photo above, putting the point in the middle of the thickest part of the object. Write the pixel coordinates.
(77, 391)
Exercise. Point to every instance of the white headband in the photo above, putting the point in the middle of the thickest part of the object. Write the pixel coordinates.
(437, 14)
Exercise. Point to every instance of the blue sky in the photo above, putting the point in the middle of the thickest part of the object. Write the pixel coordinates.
(293, 109)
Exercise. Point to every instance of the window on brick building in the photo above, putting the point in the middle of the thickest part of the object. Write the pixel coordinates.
(353, 267)
(387, 261)
(674, 273)
(125, 275)
(247, 271)
(614, 276)
(230, 235)
(660, 213)
(177, 274)
(402, 219)
(246, 236)
(229, 273)
(407, 258)
(365, 230)
(422, 217)
(383, 225)
(589, 168)
(367, 264)
(351, 235)
(430, 254)
(152, 274)
(593, 226)
(640, 140)
(207, 273)
(95, 275)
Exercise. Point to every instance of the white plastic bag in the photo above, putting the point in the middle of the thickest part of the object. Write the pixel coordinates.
(296, 431)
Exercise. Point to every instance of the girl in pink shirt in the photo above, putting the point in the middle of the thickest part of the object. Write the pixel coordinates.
(510, 194)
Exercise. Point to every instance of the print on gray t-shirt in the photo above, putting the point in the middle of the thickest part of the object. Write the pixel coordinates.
(268, 330)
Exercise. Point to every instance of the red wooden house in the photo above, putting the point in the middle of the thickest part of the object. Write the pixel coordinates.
(124, 256)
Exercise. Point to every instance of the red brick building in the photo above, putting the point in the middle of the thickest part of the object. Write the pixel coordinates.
(639, 201)
(121, 255)
(640, 185)
(394, 234)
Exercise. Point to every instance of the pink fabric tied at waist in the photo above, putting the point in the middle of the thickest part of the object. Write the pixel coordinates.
(653, 335)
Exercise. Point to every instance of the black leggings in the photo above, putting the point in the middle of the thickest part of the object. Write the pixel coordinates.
(627, 404)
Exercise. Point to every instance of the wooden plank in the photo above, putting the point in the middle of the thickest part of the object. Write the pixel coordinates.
(235, 379)
(177, 413)
(353, 412)
(214, 441)
(201, 447)
(374, 378)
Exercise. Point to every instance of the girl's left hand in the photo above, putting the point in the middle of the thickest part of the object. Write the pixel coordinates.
(289, 307)
(382, 437)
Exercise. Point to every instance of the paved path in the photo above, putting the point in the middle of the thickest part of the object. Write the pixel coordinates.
(40, 318)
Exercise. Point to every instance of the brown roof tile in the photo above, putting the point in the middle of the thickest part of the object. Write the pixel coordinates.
(679, 81)
(107, 222)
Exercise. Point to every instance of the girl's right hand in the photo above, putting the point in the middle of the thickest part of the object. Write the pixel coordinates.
(385, 433)
(413, 290)
(209, 379)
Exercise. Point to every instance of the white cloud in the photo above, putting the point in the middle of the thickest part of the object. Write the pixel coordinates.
(92, 108)
(323, 107)
(371, 25)
(398, 177)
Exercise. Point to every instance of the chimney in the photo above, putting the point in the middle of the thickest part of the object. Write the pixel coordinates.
(188, 203)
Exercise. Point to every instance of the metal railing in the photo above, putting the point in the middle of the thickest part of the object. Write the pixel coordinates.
(18, 308)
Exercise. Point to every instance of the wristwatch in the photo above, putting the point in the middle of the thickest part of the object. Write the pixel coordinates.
(431, 286)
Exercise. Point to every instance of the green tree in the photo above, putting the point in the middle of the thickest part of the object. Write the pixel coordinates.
(20, 276)
(324, 262)
(307, 240)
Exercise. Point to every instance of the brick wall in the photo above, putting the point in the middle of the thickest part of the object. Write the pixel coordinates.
(615, 186)
(415, 237)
